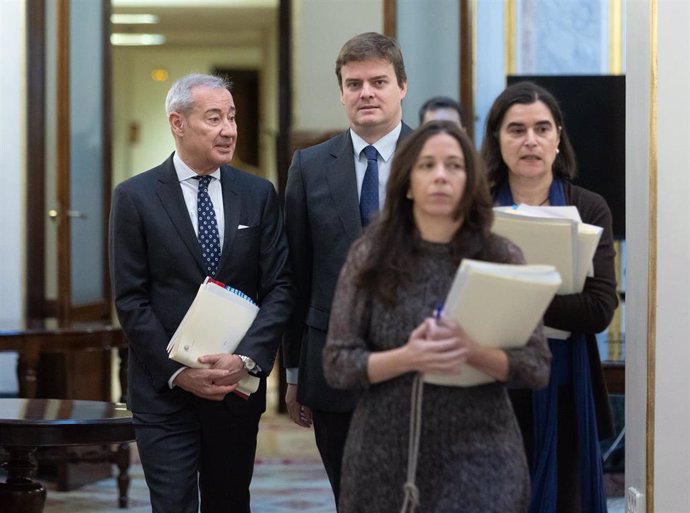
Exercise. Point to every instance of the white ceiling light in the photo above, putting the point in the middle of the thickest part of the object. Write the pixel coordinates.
(118, 39)
(133, 19)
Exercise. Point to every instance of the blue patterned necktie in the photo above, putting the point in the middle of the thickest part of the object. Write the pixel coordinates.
(369, 197)
(209, 241)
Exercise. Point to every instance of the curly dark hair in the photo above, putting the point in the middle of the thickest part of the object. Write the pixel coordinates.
(525, 93)
(394, 236)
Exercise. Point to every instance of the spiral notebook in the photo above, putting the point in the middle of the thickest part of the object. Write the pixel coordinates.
(554, 236)
(216, 322)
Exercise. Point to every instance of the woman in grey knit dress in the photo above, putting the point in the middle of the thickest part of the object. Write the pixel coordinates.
(382, 334)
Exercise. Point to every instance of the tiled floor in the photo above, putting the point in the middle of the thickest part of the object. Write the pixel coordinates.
(279, 486)
(288, 478)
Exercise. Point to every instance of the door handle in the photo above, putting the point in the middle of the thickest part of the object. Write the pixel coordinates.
(78, 214)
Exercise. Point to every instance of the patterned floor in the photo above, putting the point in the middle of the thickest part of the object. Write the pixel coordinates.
(280, 485)
(288, 478)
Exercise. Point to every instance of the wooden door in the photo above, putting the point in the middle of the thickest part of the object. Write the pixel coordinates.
(68, 160)
(68, 191)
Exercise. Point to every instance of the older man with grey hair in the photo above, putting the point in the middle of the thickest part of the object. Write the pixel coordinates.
(191, 217)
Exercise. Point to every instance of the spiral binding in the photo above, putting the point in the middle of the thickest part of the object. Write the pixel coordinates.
(231, 289)
(239, 293)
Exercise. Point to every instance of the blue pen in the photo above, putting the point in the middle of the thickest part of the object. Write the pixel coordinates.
(438, 310)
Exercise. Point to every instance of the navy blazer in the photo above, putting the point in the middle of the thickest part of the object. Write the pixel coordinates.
(322, 221)
(156, 269)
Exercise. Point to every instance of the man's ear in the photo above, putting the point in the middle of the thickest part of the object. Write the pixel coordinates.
(176, 123)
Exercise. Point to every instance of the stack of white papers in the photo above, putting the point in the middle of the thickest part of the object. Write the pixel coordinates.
(498, 305)
(553, 236)
(216, 322)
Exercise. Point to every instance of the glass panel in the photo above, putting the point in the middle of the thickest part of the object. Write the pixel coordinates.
(429, 34)
(489, 65)
(561, 37)
(86, 149)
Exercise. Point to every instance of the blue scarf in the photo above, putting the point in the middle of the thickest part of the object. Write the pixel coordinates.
(569, 365)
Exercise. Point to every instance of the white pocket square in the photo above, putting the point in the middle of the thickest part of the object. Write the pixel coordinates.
(242, 226)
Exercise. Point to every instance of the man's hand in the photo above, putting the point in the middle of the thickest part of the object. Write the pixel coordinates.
(300, 414)
(229, 362)
(204, 383)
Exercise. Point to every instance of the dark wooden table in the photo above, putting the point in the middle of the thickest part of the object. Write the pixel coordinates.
(59, 360)
(33, 338)
(27, 424)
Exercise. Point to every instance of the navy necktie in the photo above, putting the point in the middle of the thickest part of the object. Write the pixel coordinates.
(369, 197)
(209, 241)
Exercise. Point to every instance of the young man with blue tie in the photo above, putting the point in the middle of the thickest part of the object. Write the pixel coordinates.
(333, 191)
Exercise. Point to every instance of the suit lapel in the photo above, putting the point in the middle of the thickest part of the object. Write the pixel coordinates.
(171, 198)
(342, 181)
(404, 132)
(231, 208)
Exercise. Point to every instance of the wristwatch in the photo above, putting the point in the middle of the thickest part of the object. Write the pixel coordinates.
(249, 364)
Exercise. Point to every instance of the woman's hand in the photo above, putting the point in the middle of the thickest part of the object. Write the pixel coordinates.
(446, 327)
(438, 346)
(490, 360)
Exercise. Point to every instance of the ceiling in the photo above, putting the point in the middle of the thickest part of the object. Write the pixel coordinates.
(202, 22)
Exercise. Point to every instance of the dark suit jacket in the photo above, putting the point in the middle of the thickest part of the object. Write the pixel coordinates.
(322, 221)
(156, 269)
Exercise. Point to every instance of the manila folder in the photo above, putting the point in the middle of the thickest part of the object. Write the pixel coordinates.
(216, 322)
(498, 305)
(550, 241)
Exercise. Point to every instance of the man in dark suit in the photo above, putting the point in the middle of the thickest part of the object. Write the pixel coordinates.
(188, 423)
(324, 215)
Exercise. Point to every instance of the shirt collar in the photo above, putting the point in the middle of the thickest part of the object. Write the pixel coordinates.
(184, 172)
(385, 146)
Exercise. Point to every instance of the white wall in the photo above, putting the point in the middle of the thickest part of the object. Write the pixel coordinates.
(672, 397)
(137, 98)
(637, 228)
(320, 28)
(670, 400)
(12, 131)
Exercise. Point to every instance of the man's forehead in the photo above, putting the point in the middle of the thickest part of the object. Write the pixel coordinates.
(207, 98)
(367, 69)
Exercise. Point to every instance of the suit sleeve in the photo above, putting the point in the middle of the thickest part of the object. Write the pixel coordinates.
(274, 288)
(130, 278)
(299, 240)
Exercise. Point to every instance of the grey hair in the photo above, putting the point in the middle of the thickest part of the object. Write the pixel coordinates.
(180, 98)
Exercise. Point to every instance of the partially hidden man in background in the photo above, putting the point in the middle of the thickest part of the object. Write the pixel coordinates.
(333, 190)
(441, 108)
(196, 439)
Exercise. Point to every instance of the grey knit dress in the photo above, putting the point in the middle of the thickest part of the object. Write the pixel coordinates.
(471, 456)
